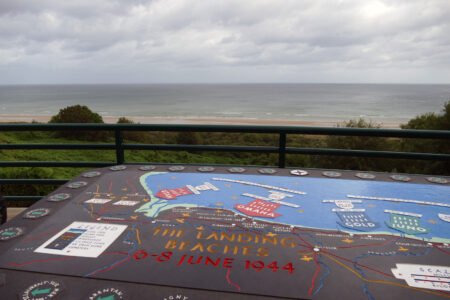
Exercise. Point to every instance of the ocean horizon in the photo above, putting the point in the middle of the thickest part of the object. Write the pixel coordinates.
(331, 102)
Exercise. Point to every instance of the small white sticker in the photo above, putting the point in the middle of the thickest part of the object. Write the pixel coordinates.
(97, 201)
(126, 203)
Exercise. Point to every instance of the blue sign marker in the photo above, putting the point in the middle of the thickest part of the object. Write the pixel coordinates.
(356, 220)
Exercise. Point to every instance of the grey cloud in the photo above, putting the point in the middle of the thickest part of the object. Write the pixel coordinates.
(283, 36)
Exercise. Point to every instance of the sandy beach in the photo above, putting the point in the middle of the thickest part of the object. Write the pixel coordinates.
(176, 120)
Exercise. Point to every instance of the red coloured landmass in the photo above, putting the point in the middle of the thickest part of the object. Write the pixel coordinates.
(259, 208)
(171, 194)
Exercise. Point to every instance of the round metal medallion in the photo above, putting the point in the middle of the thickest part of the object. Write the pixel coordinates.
(91, 174)
(401, 178)
(365, 175)
(236, 170)
(77, 184)
(147, 168)
(11, 232)
(332, 174)
(176, 168)
(36, 213)
(59, 197)
(299, 172)
(117, 168)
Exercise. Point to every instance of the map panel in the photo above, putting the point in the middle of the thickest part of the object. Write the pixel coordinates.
(280, 236)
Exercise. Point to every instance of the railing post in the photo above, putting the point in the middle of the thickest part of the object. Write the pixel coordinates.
(282, 150)
(120, 158)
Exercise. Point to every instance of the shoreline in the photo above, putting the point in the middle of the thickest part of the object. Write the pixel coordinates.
(203, 121)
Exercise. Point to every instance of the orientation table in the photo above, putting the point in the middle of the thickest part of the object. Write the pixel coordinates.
(189, 232)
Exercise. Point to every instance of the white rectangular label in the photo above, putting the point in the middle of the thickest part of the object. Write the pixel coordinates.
(126, 203)
(97, 201)
(84, 239)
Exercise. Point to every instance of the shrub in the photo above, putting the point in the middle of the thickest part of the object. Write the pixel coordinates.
(137, 136)
(189, 138)
(79, 114)
(354, 143)
(429, 121)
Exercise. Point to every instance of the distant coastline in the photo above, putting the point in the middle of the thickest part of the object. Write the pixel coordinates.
(327, 105)
(206, 120)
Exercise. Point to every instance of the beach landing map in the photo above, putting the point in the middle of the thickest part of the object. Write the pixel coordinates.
(282, 236)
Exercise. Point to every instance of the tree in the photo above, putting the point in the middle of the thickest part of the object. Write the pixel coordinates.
(137, 136)
(429, 121)
(79, 114)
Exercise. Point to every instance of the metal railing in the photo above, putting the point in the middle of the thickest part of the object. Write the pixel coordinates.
(120, 147)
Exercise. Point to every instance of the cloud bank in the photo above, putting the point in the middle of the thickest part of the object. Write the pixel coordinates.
(125, 41)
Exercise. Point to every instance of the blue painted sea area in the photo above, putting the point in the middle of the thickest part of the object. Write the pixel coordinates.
(312, 212)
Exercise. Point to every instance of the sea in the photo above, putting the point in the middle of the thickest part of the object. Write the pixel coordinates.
(295, 102)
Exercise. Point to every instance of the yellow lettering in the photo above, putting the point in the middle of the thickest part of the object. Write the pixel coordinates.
(242, 235)
(245, 250)
(181, 233)
(227, 248)
(283, 242)
(273, 242)
(262, 252)
(209, 249)
(157, 230)
(171, 244)
(198, 246)
(183, 245)
(213, 235)
(199, 235)
(223, 236)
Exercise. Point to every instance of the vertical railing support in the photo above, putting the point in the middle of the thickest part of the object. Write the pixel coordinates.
(282, 150)
(120, 158)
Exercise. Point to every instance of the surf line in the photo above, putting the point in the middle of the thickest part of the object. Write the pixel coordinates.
(400, 200)
(260, 185)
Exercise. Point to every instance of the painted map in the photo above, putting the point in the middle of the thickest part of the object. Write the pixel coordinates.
(281, 236)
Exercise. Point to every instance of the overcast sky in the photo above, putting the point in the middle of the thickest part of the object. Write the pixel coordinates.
(155, 41)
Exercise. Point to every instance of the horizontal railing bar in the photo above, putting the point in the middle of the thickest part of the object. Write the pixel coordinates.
(261, 149)
(34, 181)
(90, 164)
(23, 198)
(368, 153)
(194, 164)
(378, 132)
(59, 146)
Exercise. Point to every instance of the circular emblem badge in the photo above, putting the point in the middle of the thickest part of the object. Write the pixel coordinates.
(299, 172)
(91, 174)
(331, 174)
(36, 213)
(236, 170)
(205, 169)
(108, 293)
(77, 184)
(59, 197)
(437, 180)
(147, 168)
(176, 168)
(267, 171)
(365, 175)
(11, 232)
(118, 168)
(42, 290)
(401, 177)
